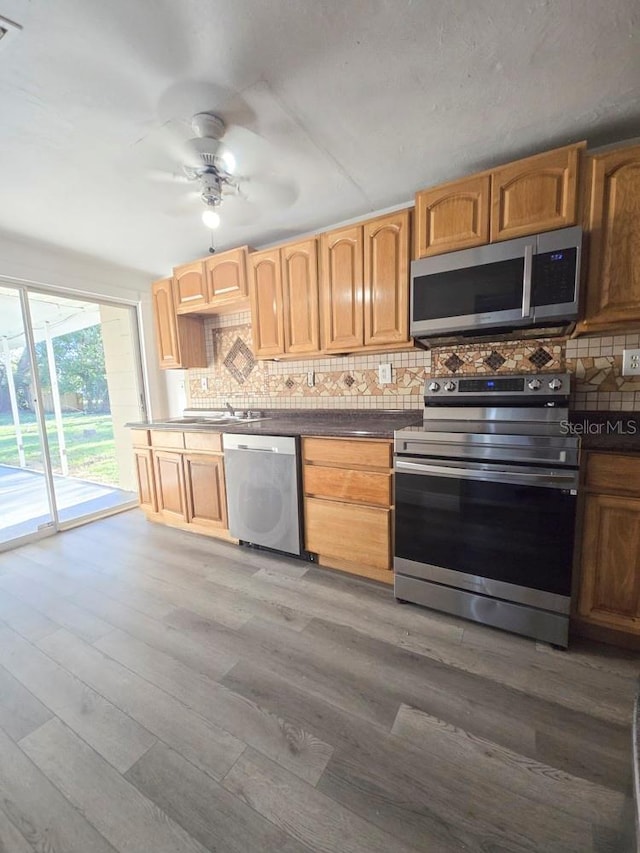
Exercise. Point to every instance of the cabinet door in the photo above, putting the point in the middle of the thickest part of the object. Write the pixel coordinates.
(358, 534)
(227, 276)
(265, 290)
(539, 193)
(165, 322)
(190, 286)
(299, 263)
(143, 462)
(610, 580)
(205, 490)
(613, 215)
(386, 279)
(453, 216)
(341, 276)
(169, 484)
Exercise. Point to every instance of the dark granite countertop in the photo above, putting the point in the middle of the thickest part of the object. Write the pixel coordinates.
(350, 423)
(615, 432)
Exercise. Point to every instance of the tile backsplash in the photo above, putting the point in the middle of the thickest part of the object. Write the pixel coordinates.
(234, 375)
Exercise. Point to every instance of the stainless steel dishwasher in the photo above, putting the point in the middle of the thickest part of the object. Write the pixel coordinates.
(263, 494)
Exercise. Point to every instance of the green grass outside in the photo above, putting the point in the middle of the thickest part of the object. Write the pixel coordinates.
(88, 439)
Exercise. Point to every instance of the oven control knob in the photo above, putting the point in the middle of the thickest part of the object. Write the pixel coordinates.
(449, 386)
(434, 386)
(534, 384)
(555, 384)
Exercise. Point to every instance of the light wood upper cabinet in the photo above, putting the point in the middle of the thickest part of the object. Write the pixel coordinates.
(386, 279)
(538, 193)
(226, 276)
(613, 220)
(342, 291)
(299, 264)
(610, 552)
(205, 490)
(190, 286)
(265, 291)
(180, 340)
(452, 216)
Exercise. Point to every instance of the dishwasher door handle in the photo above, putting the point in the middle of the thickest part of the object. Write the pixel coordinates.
(260, 449)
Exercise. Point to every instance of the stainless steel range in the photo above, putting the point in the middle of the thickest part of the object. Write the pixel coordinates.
(485, 495)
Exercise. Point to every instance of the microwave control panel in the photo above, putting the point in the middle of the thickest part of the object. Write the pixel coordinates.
(554, 277)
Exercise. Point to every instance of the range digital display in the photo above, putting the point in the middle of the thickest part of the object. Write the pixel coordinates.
(480, 386)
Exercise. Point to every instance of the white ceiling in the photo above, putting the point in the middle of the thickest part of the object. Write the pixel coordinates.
(357, 102)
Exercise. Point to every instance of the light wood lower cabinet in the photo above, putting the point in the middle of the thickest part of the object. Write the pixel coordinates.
(348, 504)
(205, 490)
(169, 475)
(609, 595)
(181, 479)
(143, 464)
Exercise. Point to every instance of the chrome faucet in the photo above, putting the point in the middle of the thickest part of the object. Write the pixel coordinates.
(230, 409)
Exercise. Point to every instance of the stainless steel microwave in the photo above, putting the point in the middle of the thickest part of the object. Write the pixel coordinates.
(531, 281)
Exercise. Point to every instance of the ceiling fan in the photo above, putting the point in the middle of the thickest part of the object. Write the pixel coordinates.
(208, 162)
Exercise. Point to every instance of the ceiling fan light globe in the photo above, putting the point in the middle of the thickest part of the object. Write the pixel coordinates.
(211, 218)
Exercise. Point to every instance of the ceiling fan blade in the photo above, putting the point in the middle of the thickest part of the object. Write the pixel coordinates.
(269, 192)
(238, 211)
(163, 177)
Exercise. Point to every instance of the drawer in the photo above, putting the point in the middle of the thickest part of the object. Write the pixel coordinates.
(167, 438)
(358, 534)
(364, 487)
(206, 441)
(617, 473)
(140, 437)
(347, 453)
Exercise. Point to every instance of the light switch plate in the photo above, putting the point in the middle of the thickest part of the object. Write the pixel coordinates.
(204, 384)
(631, 362)
(384, 374)
(311, 378)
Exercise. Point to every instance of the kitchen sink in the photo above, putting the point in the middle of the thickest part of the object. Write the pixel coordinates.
(213, 420)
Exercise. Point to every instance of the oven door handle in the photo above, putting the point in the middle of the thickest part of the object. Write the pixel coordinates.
(543, 479)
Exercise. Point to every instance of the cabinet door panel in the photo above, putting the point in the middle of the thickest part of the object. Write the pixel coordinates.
(190, 286)
(226, 276)
(613, 214)
(265, 290)
(205, 490)
(299, 263)
(610, 582)
(386, 279)
(539, 193)
(358, 534)
(170, 484)
(453, 216)
(143, 461)
(342, 289)
(165, 323)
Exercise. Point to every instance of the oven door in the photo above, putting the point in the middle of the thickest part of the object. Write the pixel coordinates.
(501, 530)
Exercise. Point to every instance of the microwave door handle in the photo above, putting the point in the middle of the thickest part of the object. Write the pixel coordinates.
(526, 280)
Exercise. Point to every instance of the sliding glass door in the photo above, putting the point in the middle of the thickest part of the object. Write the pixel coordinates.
(65, 454)
(25, 501)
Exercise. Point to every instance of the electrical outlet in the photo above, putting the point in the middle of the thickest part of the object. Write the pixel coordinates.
(311, 378)
(384, 374)
(631, 362)
(204, 384)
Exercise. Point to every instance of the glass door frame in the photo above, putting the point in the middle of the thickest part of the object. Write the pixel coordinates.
(135, 313)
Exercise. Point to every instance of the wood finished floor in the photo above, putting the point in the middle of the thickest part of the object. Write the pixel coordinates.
(161, 691)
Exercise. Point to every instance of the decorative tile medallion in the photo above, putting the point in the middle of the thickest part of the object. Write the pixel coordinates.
(540, 357)
(453, 363)
(348, 381)
(289, 383)
(239, 361)
(494, 360)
